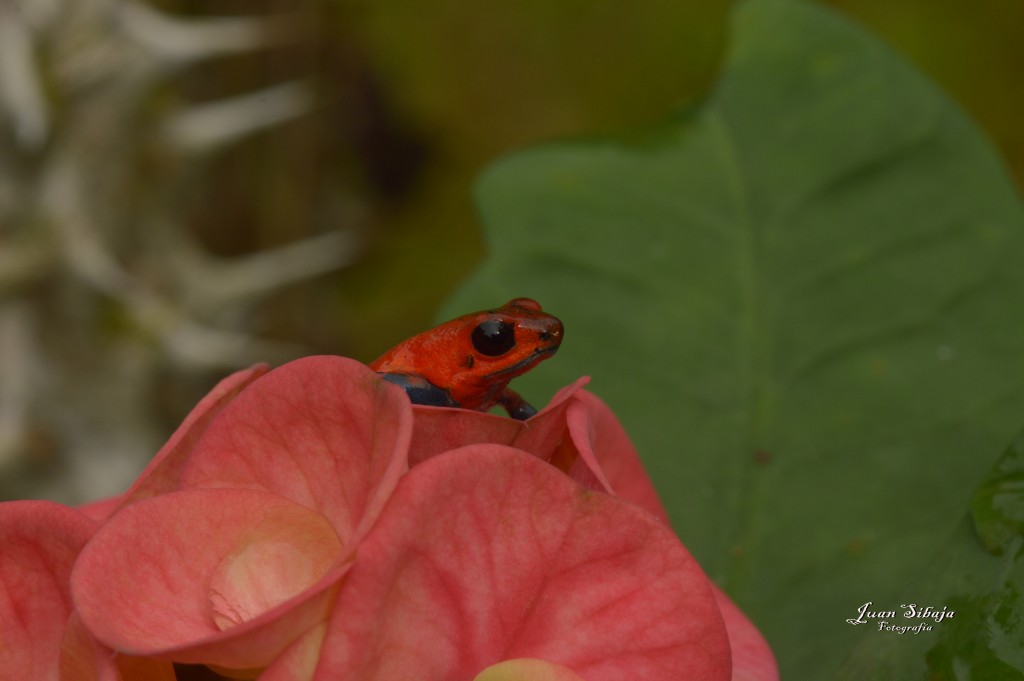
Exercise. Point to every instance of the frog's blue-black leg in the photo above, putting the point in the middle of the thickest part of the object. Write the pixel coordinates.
(421, 391)
(515, 405)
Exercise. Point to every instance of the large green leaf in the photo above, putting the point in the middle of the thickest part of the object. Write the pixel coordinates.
(801, 298)
(979, 578)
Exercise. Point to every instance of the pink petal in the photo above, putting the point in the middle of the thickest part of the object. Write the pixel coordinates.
(325, 432)
(83, 658)
(40, 541)
(440, 429)
(542, 432)
(526, 669)
(599, 437)
(101, 509)
(487, 554)
(219, 576)
(752, 658)
(298, 661)
(164, 470)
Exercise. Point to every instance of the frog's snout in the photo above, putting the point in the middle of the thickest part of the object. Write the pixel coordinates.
(551, 335)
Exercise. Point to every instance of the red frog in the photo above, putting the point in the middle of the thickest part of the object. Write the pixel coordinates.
(469, 361)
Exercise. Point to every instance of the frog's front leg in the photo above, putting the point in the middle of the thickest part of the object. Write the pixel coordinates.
(515, 405)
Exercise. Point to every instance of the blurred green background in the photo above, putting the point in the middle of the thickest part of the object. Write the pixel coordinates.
(131, 246)
(420, 97)
(473, 81)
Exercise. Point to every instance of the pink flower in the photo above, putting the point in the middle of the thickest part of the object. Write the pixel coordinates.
(41, 638)
(599, 437)
(270, 505)
(485, 554)
(599, 455)
(282, 533)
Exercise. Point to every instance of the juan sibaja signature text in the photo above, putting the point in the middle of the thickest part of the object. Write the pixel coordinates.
(887, 619)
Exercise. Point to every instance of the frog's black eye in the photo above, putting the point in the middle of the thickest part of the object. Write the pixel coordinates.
(494, 337)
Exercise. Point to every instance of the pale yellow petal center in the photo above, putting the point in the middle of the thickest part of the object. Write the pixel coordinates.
(287, 552)
(527, 669)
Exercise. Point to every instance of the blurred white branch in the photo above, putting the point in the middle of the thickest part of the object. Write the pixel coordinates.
(207, 127)
(179, 40)
(20, 90)
(225, 281)
(211, 284)
(78, 239)
(38, 13)
(103, 286)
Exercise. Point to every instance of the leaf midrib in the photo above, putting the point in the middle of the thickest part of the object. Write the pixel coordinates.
(753, 352)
